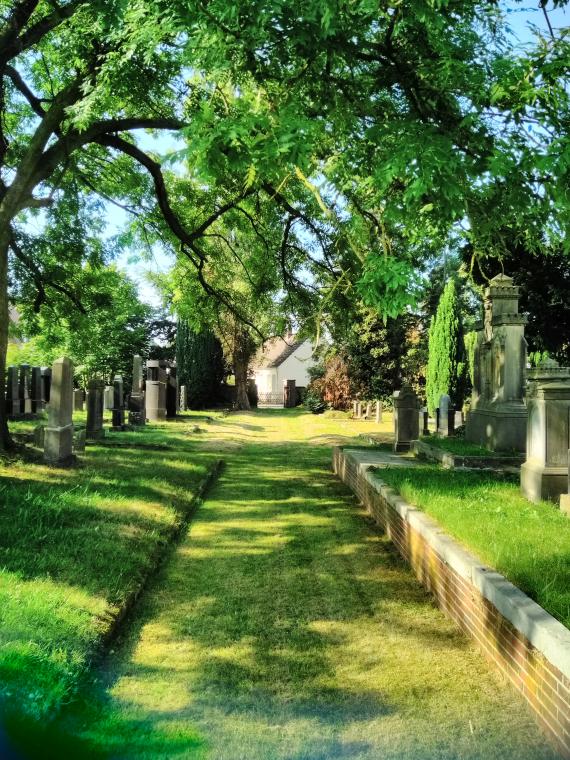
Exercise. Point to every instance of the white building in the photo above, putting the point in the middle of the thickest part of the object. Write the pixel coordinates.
(282, 359)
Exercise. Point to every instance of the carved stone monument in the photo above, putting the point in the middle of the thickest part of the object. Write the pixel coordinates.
(183, 400)
(59, 430)
(13, 392)
(37, 390)
(544, 475)
(95, 390)
(137, 413)
(155, 390)
(108, 397)
(406, 418)
(443, 416)
(498, 415)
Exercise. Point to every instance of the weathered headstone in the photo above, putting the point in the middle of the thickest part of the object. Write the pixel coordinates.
(39, 436)
(359, 410)
(108, 398)
(118, 403)
(78, 399)
(497, 418)
(406, 418)
(289, 394)
(155, 391)
(46, 384)
(37, 390)
(79, 437)
(95, 390)
(424, 415)
(544, 474)
(368, 412)
(183, 403)
(137, 414)
(59, 430)
(13, 392)
(378, 411)
(354, 409)
(443, 417)
(25, 399)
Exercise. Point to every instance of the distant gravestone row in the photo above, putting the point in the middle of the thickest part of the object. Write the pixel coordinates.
(27, 390)
(362, 410)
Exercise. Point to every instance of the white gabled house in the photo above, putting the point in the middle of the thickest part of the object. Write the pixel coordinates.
(282, 359)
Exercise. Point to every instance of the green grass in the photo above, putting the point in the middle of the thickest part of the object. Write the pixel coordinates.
(461, 447)
(528, 543)
(286, 627)
(74, 544)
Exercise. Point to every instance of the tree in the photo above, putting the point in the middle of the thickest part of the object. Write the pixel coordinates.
(200, 365)
(446, 360)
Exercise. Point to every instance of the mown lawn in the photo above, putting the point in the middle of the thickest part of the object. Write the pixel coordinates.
(285, 627)
(528, 543)
(464, 448)
(74, 544)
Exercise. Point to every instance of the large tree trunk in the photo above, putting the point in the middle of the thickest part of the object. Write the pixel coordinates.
(243, 350)
(5, 440)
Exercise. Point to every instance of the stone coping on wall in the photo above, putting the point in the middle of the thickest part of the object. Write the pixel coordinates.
(529, 646)
(452, 461)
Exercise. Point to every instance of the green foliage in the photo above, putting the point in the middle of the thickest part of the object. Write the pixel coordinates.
(446, 363)
(470, 342)
(200, 365)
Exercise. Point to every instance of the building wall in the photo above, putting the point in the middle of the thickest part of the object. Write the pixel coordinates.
(296, 366)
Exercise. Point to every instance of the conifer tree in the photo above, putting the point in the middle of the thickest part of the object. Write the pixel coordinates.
(200, 365)
(446, 353)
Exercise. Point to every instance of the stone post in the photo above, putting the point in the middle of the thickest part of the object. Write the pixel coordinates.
(443, 415)
(137, 413)
(354, 409)
(37, 390)
(182, 398)
(118, 403)
(78, 399)
(46, 384)
(25, 400)
(368, 410)
(378, 411)
(406, 418)
(155, 391)
(95, 390)
(424, 420)
(497, 418)
(108, 398)
(13, 393)
(171, 390)
(59, 431)
(359, 410)
(544, 475)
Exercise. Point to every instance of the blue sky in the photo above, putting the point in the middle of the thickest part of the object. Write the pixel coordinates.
(521, 16)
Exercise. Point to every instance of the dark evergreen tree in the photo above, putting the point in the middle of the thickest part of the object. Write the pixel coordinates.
(446, 367)
(200, 362)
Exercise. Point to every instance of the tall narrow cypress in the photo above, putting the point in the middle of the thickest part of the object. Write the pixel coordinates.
(200, 365)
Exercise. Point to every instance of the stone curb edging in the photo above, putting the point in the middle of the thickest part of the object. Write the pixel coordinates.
(529, 646)
(451, 461)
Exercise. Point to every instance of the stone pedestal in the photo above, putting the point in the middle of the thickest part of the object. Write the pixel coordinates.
(59, 431)
(95, 390)
(406, 418)
(544, 475)
(137, 413)
(183, 401)
(498, 415)
(171, 391)
(118, 403)
(13, 392)
(155, 391)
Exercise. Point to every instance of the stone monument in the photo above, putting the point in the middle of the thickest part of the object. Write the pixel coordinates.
(406, 418)
(118, 403)
(37, 390)
(171, 390)
(108, 398)
(544, 475)
(25, 398)
(445, 416)
(378, 411)
(565, 497)
(497, 418)
(137, 413)
(59, 430)
(78, 399)
(95, 390)
(155, 390)
(46, 384)
(183, 401)
(13, 393)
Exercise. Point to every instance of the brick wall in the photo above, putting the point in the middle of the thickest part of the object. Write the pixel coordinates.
(530, 648)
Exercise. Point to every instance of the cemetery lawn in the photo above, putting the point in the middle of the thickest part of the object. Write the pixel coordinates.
(75, 544)
(528, 543)
(286, 627)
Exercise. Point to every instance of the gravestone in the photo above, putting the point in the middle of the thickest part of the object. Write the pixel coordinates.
(155, 390)
(354, 409)
(108, 398)
(359, 410)
(78, 399)
(95, 390)
(406, 418)
(378, 411)
(13, 392)
(565, 497)
(424, 415)
(137, 414)
(79, 438)
(59, 429)
(39, 436)
(171, 390)
(37, 390)
(46, 384)
(544, 474)
(24, 383)
(289, 394)
(368, 412)
(497, 418)
(183, 398)
(118, 403)
(444, 412)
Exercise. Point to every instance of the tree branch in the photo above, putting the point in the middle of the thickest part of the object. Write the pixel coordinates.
(20, 85)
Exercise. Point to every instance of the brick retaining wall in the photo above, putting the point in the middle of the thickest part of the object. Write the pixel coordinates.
(530, 647)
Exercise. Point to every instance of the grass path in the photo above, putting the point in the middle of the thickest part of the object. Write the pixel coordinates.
(285, 627)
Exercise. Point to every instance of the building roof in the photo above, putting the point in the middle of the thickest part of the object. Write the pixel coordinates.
(275, 352)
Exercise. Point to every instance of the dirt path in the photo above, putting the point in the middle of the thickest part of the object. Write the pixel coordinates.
(285, 626)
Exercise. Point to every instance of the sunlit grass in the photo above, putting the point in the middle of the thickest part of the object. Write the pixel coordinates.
(285, 627)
